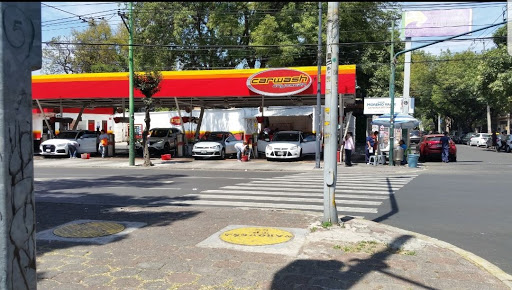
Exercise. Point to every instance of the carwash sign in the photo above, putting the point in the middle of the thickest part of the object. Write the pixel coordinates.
(279, 82)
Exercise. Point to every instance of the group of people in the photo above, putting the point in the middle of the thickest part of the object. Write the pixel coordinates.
(495, 137)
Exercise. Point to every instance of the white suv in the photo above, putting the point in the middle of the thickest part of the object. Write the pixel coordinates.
(161, 140)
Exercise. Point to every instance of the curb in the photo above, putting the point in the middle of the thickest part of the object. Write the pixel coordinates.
(478, 261)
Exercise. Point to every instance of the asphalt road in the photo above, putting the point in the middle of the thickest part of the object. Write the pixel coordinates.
(466, 203)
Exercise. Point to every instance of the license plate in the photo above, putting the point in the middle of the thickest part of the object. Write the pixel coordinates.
(48, 150)
(203, 151)
(279, 153)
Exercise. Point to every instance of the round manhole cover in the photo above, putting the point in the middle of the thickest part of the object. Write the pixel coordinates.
(89, 230)
(256, 236)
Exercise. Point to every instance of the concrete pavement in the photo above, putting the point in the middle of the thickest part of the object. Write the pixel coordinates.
(173, 247)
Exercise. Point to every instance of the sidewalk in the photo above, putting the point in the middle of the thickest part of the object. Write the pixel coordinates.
(173, 247)
(180, 248)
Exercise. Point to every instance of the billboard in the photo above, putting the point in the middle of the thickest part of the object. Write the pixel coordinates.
(436, 22)
(379, 106)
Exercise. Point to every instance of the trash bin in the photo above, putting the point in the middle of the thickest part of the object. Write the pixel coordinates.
(111, 145)
(412, 159)
(399, 154)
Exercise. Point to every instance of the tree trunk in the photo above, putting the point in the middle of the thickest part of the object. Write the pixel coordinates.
(147, 119)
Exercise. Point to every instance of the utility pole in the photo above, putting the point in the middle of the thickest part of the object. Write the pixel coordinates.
(391, 96)
(131, 105)
(20, 53)
(319, 90)
(331, 114)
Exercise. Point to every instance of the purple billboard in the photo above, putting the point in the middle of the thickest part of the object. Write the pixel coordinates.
(436, 22)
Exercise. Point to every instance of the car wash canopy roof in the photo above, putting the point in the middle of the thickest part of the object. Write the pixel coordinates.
(208, 88)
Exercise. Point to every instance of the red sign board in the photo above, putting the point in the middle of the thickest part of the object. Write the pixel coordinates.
(176, 120)
(279, 82)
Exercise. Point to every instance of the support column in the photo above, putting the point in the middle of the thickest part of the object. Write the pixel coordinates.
(20, 52)
(331, 114)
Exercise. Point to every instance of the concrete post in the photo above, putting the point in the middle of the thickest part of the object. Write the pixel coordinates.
(318, 112)
(331, 114)
(20, 52)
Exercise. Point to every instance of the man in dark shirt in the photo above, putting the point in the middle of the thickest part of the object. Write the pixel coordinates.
(445, 145)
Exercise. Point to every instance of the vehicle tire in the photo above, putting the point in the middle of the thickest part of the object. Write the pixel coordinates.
(301, 157)
(508, 149)
(196, 158)
(222, 154)
(167, 148)
(422, 158)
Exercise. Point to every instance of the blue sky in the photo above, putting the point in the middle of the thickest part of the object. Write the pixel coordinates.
(63, 17)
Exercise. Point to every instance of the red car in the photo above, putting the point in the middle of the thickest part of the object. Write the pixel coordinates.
(430, 147)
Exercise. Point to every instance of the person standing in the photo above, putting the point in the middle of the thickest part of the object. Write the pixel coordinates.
(72, 148)
(349, 148)
(404, 147)
(494, 140)
(370, 145)
(103, 143)
(240, 150)
(445, 147)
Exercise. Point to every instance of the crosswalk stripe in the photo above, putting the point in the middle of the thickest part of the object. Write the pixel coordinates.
(281, 199)
(341, 183)
(403, 180)
(383, 188)
(281, 192)
(266, 205)
(308, 190)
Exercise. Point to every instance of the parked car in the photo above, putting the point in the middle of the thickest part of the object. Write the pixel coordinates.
(87, 143)
(215, 145)
(479, 139)
(415, 136)
(467, 137)
(163, 140)
(290, 145)
(430, 148)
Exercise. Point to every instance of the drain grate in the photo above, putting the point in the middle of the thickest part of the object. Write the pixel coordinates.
(89, 230)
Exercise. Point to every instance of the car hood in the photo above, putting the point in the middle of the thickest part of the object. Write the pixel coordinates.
(57, 141)
(284, 144)
(207, 144)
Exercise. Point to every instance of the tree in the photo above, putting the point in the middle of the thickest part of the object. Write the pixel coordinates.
(148, 84)
(58, 58)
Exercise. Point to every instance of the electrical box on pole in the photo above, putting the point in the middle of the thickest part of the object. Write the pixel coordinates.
(331, 114)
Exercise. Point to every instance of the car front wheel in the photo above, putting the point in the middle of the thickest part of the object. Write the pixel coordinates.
(222, 154)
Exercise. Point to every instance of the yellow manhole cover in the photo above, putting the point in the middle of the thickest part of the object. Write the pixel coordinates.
(256, 236)
(89, 230)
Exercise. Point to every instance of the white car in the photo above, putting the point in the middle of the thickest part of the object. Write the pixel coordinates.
(215, 145)
(87, 143)
(480, 139)
(290, 145)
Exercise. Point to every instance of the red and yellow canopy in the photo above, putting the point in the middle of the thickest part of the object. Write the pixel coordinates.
(196, 83)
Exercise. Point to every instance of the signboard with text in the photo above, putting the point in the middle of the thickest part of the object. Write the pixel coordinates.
(279, 82)
(379, 106)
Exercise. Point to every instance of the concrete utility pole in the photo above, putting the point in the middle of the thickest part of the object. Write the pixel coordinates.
(20, 52)
(489, 130)
(319, 90)
(331, 114)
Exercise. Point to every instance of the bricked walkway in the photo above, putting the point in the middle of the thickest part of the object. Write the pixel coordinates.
(169, 252)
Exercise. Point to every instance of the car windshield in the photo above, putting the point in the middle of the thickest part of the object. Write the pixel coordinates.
(415, 133)
(212, 137)
(293, 137)
(66, 135)
(486, 135)
(158, 132)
